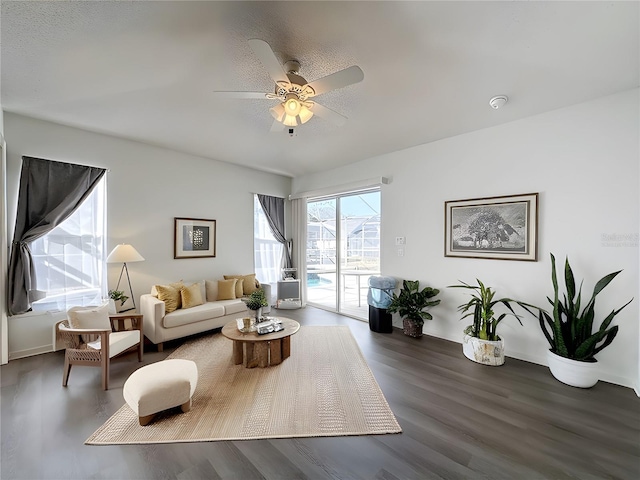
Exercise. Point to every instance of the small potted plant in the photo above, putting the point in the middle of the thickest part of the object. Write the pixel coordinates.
(570, 332)
(117, 296)
(411, 303)
(481, 343)
(256, 301)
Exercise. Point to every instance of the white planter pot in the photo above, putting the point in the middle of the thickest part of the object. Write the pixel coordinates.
(112, 306)
(572, 372)
(483, 351)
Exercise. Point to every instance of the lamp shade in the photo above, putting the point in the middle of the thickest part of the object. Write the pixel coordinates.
(124, 253)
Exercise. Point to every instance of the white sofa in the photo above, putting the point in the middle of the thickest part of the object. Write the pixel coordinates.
(160, 327)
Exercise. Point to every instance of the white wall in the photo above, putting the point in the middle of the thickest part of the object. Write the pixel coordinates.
(583, 161)
(147, 188)
(4, 335)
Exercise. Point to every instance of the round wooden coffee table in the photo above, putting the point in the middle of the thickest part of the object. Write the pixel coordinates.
(253, 350)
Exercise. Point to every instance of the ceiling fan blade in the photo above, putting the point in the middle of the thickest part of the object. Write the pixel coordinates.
(246, 95)
(265, 54)
(328, 114)
(340, 79)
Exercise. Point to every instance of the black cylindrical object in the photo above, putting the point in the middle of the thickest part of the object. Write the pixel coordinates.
(379, 297)
(379, 320)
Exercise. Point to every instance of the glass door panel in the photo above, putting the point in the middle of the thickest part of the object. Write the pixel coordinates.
(359, 250)
(322, 278)
(342, 255)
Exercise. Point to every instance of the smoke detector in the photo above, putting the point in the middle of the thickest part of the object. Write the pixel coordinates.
(498, 101)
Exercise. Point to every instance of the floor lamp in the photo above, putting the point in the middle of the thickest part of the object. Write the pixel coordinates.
(124, 254)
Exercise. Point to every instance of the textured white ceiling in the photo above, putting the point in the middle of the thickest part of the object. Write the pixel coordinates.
(147, 70)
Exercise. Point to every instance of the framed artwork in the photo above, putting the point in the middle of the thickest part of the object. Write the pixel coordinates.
(194, 238)
(503, 228)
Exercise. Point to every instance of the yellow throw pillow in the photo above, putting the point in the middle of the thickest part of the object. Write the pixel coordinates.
(227, 289)
(179, 284)
(170, 295)
(247, 282)
(239, 283)
(191, 296)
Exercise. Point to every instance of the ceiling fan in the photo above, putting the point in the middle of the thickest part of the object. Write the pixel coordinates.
(293, 92)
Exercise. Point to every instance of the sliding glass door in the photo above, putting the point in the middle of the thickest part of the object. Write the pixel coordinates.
(343, 250)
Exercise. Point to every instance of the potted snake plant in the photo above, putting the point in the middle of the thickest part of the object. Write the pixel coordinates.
(481, 342)
(570, 331)
(411, 304)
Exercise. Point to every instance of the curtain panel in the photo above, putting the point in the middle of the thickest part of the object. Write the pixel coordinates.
(49, 193)
(274, 211)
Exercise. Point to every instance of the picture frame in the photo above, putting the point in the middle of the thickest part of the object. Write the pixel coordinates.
(194, 238)
(499, 228)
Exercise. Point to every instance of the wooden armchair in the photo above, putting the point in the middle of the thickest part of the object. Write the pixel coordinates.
(95, 347)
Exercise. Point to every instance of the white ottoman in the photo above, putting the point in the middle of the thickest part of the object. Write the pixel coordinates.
(160, 386)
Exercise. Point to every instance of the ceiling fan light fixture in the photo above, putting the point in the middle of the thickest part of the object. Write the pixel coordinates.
(292, 104)
(305, 114)
(290, 121)
(277, 112)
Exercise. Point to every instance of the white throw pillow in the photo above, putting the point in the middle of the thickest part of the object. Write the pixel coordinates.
(91, 318)
(211, 290)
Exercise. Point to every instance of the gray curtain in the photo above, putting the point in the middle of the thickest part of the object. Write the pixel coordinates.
(274, 210)
(49, 193)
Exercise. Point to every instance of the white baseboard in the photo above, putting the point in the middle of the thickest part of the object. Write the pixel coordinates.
(30, 352)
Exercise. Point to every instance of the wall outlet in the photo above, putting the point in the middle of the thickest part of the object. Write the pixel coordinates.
(401, 252)
(400, 241)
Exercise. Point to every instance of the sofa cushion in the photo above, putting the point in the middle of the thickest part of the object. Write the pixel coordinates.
(227, 289)
(191, 296)
(191, 315)
(233, 306)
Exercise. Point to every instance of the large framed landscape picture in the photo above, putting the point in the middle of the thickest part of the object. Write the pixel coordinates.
(504, 228)
(194, 238)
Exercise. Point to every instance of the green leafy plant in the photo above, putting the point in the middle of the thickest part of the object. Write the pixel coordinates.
(569, 332)
(481, 308)
(412, 302)
(257, 300)
(118, 295)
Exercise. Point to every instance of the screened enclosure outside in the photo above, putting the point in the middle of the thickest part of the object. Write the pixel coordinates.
(343, 251)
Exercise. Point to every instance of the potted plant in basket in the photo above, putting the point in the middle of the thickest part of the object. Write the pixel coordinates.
(569, 333)
(411, 303)
(481, 343)
(256, 301)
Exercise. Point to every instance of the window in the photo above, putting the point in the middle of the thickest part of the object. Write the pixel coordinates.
(69, 261)
(267, 250)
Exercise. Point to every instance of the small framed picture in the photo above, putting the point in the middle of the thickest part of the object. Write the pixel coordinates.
(504, 228)
(194, 238)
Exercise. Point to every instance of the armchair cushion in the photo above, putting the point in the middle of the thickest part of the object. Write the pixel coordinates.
(90, 318)
(118, 342)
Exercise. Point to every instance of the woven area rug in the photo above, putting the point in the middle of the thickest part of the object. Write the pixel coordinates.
(325, 388)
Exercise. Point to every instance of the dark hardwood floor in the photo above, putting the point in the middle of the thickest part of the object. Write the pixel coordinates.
(459, 420)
